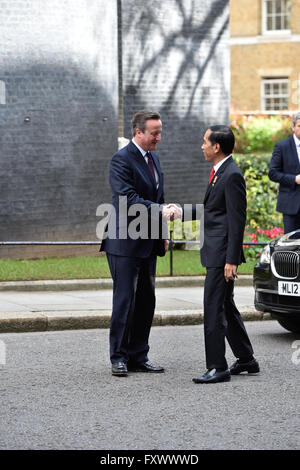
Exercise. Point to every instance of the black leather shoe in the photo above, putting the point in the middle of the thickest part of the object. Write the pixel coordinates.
(252, 367)
(119, 369)
(144, 367)
(213, 376)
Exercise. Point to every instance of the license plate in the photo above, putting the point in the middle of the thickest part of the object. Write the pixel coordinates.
(288, 288)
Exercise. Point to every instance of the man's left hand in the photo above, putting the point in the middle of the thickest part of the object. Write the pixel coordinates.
(166, 245)
(230, 272)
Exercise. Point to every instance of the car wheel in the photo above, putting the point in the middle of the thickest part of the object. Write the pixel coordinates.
(290, 325)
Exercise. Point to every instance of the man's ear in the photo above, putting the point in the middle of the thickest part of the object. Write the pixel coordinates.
(217, 148)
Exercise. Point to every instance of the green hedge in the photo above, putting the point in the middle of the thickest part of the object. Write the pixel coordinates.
(259, 133)
(261, 192)
(264, 223)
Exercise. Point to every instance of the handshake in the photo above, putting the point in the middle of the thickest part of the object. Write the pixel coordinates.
(171, 212)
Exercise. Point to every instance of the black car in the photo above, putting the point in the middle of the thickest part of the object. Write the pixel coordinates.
(276, 281)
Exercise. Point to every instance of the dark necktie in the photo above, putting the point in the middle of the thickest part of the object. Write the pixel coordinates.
(151, 165)
(212, 174)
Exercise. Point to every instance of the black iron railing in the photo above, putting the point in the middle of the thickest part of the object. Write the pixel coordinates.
(172, 242)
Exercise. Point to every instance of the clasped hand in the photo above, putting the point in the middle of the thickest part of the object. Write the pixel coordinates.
(171, 212)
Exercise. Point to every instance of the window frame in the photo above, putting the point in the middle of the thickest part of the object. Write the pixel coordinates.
(274, 80)
(266, 31)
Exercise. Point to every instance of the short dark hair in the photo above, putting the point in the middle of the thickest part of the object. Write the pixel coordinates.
(223, 136)
(141, 117)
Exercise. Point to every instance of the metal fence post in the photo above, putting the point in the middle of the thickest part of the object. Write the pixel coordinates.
(171, 252)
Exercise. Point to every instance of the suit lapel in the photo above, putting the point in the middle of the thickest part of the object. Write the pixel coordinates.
(216, 177)
(140, 161)
(294, 151)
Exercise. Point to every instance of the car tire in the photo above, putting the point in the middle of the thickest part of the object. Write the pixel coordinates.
(290, 325)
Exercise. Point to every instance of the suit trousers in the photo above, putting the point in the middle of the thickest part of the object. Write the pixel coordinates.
(133, 307)
(222, 320)
(291, 222)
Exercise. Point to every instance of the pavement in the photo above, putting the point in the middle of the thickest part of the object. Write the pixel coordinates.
(81, 304)
(57, 393)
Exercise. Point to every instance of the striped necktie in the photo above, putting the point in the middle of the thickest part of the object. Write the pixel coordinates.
(151, 165)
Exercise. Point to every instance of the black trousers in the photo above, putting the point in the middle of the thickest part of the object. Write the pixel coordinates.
(133, 307)
(291, 222)
(222, 320)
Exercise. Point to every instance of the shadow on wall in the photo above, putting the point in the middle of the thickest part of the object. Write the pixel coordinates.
(189, 40)
(191, 93)
(59, 130)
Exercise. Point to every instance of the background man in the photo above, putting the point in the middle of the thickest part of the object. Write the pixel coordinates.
(284, 169)
(136, 174)
(224, 223)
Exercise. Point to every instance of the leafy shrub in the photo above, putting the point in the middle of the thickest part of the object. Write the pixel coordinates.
(259, 133)
(261, 192)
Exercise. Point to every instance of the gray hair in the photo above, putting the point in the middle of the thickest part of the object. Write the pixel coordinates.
(296, 117)
(140, 118)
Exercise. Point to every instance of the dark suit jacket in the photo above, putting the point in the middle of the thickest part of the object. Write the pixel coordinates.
(225, 206)
(283, 168)
(130, 176)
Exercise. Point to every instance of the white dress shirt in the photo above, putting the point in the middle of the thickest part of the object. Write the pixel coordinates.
(217, 166)
(297, 143)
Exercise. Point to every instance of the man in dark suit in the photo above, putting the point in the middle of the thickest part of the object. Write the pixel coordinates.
(136, 180)
(284, 169)
(224, 222)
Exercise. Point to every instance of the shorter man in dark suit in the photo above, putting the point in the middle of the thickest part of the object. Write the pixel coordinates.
(285, 169)
(224, 223)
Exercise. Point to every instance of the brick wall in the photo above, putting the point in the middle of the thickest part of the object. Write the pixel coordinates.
(176, 60)
(255, 55)
(245, 17)
(59, 120)
(59, 82)
(251, 63)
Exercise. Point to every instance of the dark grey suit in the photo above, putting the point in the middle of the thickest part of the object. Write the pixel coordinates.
(283, 168)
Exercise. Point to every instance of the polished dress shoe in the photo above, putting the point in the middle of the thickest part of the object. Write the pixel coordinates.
(144, 367)
(119, 369)
(213, 376)
(252, 367)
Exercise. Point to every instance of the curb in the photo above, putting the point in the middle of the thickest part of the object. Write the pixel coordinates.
(54, 321)
(93, 284)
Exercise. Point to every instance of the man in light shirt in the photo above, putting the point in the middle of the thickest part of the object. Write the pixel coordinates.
(284, 169)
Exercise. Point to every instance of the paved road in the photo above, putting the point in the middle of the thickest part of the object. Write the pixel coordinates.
(56, 392)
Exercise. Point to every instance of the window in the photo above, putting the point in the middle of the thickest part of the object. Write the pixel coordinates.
(276, 15)
(275, 94)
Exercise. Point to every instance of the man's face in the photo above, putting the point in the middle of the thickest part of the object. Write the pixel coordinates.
(151, 136)
(296, 129)
(208, 148)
